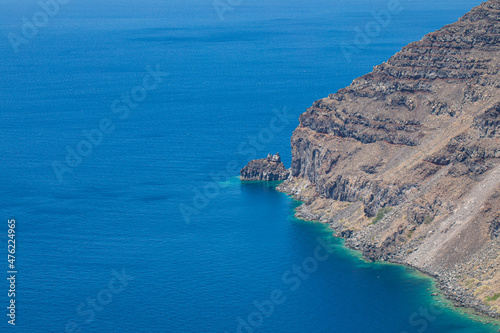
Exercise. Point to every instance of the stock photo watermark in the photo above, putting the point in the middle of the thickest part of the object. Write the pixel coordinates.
(121, 108)
(372, 29)
(30, 27)
(292, 280)
(87, 311)
(422, 319)
(11, 271)
(249, 150)
(223, 6)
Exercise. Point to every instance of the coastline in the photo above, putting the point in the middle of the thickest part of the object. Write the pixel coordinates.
(447, 299)
(404, 163)
(459, 299)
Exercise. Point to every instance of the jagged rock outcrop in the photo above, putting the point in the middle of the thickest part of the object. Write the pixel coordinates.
(269, 169)
(405, 162)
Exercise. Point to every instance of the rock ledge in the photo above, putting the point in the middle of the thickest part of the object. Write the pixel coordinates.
(268, 169)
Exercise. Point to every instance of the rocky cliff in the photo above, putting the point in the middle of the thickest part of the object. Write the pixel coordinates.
(405, 162)
(268, 169)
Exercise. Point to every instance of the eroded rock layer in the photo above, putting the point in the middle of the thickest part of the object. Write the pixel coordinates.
(405, 162)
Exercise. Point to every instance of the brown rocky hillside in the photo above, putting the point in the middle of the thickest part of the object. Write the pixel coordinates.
(405, 162)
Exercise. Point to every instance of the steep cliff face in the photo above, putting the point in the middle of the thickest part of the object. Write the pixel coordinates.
(405, 162)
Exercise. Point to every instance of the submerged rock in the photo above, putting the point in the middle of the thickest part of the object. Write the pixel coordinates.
(269, 169)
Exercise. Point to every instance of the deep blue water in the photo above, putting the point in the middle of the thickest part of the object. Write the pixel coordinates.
(197, 250)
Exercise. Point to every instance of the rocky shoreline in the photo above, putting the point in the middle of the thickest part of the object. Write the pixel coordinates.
(405, 162)
(445, 282)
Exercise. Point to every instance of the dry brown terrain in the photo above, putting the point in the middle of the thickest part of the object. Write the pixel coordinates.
(416, 142)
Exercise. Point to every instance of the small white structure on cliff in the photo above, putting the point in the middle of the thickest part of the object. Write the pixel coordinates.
(274, 158)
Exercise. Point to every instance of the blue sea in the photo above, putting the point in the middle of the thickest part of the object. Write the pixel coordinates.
(123, 125)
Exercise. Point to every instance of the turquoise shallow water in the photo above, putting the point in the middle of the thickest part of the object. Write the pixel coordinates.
(110, 249)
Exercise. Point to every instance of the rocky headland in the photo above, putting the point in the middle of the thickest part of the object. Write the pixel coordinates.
(269, 169)
(405, 162)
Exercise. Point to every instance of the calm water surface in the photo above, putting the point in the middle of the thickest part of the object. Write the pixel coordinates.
(109, 249)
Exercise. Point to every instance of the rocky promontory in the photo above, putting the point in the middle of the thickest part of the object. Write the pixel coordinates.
(405, 162)
(268, 169)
